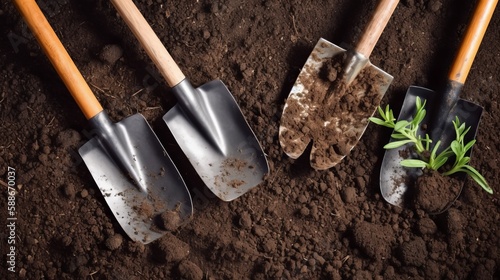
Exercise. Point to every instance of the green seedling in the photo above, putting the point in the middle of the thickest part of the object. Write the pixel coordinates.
(406, 132)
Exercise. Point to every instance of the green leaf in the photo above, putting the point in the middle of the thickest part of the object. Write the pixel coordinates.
(463, 134)
(396, 144)
(417, 163)
(427, 141)
(389, 115)
(398, 135)
(381, 111)
(401, 124)
(456, 148)
(419, 117)
(439, 162)
(469, 145)
(379, 122)
(418, 103)
(471, 171)
(434, 150)
(446, 153)
(463, 161)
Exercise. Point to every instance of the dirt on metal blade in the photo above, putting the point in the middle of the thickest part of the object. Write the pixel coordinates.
(330, 113)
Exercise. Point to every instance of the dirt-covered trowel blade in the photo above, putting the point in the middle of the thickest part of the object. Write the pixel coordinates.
(137, 200)
(212, 132)
(323, 110)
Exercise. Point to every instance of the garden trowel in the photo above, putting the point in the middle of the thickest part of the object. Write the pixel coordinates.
(207, 122)
(443, 108)
(127, 161)
(333, 111)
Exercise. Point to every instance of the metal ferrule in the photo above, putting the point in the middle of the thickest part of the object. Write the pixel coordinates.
(354, 63)
(195, 108)
(101, 125)
(115, 143)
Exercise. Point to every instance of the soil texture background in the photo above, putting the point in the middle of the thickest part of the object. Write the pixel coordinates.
(299, 223)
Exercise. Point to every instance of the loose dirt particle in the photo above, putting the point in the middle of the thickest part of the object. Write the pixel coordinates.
(374, 239)
(245, 220)
(170, 249)
(414, 253)
(190, 271)
(349, 195)
(169, 220)
(114, 242)
(84, 193)
(69, 190)
(110, 54)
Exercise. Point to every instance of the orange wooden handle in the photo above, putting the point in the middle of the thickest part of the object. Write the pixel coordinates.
(59, 57)
(470, 43)
(376, 26)
(149, 41)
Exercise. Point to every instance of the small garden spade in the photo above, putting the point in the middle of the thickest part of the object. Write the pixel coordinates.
(127, 161)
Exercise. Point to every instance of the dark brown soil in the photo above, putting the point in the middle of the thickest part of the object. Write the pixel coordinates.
(300, 223)
(434, 192)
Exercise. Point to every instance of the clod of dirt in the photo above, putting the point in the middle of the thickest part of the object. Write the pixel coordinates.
(110, 54)
(135, 247)
(84, 193)
(454, 221)
(434, 5)
(426, 226)
(66, 240)
(169, 220)
(454, 224)
(189, 271)
(245, 220)
(69, 190)
(414, 253)
(349, 195)
(145, 209)
(259, 230)
(435, 192)
(269, 246)
(170, 249)
(114, 242)
(374, 239)
(68, 138)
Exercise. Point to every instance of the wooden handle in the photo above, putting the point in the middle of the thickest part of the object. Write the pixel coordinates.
(374, 29)
(470, 43)
(149, 41)
(59, 57)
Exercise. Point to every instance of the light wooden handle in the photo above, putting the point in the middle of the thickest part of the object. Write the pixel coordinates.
(149, 41)
(59, 57)
(374, 29)
(470, 43)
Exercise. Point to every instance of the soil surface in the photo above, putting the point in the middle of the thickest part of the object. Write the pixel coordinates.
(299, 223)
